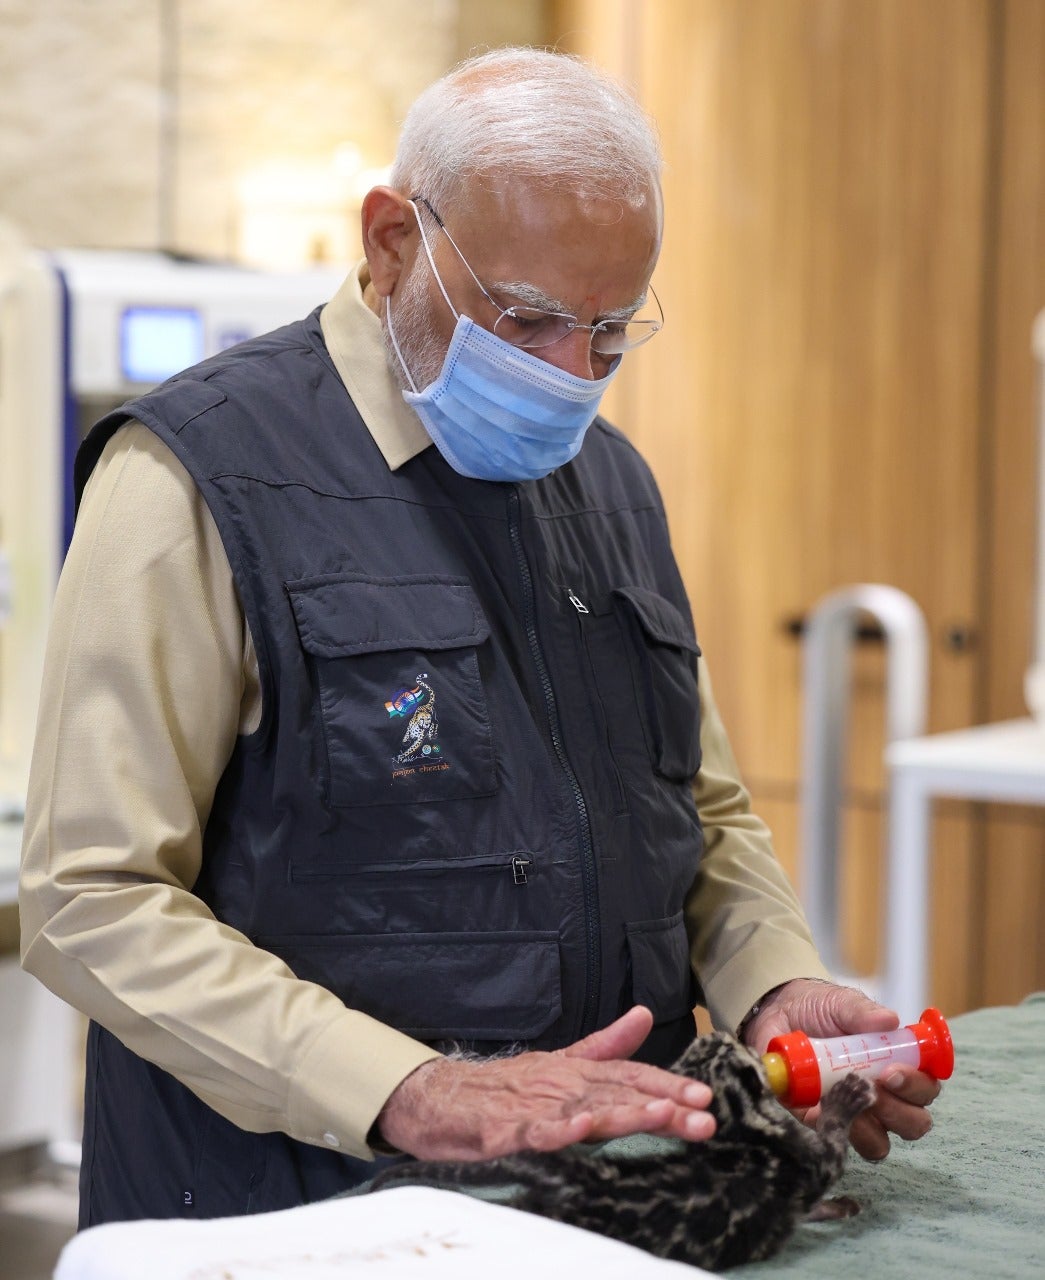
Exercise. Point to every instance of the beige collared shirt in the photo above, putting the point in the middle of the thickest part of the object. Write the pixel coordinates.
(150, 675)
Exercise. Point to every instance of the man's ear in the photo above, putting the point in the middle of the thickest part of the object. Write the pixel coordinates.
(387, 220)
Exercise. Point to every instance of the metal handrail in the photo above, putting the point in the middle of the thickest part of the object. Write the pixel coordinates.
(827, 680)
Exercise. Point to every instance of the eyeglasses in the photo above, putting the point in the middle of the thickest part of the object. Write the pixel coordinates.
(535, 327)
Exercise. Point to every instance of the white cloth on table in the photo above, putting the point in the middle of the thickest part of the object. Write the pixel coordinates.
(401, 1233)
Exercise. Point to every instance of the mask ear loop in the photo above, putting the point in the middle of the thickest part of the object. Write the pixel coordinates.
(431, 260)
(442, 290)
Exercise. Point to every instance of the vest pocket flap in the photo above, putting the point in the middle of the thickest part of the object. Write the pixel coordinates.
(339, 616)
(438, 986)
(661, 975)
(659, 618)
(665, 654)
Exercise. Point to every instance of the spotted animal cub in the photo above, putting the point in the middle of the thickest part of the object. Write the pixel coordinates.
(735, 1198)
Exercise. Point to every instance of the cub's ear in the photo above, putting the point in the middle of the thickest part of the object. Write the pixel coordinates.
(698, 1058)
(387, 222)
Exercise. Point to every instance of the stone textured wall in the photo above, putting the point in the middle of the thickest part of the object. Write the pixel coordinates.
(145, 123)
(80, 120)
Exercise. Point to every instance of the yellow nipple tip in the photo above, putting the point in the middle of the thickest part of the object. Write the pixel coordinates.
(776, 1070)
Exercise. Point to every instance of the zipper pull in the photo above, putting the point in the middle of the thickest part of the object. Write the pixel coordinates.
(519, 866)
(576, 601)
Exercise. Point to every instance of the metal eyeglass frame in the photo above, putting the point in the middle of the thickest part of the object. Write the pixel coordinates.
(614, 329)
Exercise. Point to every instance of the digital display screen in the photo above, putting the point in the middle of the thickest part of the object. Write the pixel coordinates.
(156, 342)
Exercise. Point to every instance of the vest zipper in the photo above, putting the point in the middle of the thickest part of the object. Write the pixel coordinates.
(589, 873)
(520, 865)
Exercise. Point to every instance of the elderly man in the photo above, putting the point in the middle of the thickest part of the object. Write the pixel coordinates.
(374, 723)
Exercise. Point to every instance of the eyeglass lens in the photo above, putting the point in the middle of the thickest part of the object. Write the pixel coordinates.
(530, 327)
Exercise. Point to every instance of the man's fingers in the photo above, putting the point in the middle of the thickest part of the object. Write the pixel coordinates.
(659, 1117)
(900, 1106)
(617, 1041)
(610, 1072)
(639, 1083)
(908, 1086)
(869, 1137)
(551, 1135)
(556, 1086)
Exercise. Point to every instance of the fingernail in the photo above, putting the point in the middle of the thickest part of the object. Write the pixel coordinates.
(697, 1094)
(698, 1125)
(894, 1081)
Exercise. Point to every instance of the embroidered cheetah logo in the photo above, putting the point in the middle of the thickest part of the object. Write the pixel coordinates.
(422, 728)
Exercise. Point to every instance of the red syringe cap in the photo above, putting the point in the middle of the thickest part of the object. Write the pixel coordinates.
(803, 1069)
(934, 1041)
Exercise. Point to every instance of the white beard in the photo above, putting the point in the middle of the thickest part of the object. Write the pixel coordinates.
(421, 350)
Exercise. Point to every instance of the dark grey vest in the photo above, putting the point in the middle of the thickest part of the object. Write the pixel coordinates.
(467, 808)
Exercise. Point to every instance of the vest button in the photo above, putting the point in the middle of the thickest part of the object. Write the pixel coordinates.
(331, 1139)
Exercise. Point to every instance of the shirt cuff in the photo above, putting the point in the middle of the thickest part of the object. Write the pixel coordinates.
(344, 1080)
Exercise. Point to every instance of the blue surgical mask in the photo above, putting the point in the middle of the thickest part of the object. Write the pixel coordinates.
(496, 412)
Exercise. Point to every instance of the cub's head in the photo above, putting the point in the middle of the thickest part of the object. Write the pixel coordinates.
(733, 1072)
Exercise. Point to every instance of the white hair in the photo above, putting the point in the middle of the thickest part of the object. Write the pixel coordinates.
(521, 112)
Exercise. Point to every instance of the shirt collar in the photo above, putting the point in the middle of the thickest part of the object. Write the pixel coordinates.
(352, 333)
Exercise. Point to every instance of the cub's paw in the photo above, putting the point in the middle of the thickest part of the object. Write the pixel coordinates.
(833, 1208)
(851, 1095)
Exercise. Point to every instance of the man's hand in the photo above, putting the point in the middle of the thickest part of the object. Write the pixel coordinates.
(823, 1009)
(450, 1109)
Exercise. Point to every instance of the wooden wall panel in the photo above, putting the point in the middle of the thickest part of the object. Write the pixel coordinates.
(1012, 894)
(842, 392)
(1012, 872)
(822, 281)
(1017, 269)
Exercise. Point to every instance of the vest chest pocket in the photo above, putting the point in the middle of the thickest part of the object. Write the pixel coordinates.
(664, 662)
(395, 669)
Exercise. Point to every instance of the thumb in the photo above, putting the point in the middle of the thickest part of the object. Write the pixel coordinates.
(617, 1041)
